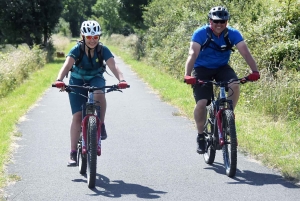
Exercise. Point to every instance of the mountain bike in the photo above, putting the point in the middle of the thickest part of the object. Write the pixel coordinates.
(219, 129)
(89, 143)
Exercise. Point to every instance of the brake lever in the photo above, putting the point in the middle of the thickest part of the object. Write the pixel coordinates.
(244, 80)
(68, 89)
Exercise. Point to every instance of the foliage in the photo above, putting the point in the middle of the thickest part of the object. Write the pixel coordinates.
(131, 11)
(28, 21)
(62, 28)
(270, 28)
(171, 24)
(109, 18)
(17, 65)
(75, 12)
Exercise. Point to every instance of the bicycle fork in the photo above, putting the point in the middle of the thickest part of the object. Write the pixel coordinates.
(219, 125)
(84, 134)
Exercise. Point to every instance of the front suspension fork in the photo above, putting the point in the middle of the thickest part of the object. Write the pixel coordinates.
(219, 125)
(84, 134)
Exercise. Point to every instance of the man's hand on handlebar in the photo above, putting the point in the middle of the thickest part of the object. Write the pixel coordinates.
(189, 79)
(254, 76)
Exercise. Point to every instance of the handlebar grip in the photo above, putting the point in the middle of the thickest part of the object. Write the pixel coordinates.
(53, 85)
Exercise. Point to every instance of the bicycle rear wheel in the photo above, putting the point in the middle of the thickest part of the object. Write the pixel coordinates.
(210, 152)
(230, 147)
(91, 151)
(81, 159)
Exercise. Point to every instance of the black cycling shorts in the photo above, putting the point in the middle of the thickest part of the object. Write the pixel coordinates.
(224, 73)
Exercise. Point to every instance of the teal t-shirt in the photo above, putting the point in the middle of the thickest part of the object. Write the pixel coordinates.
(85, 69)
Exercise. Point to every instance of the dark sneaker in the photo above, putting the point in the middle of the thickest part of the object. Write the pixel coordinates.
(201, 144)
(103, 132)
(73, 159)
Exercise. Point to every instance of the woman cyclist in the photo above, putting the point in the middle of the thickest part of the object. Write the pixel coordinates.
(89, 71)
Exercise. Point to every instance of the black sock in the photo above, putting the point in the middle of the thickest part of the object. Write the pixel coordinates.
(200, 136)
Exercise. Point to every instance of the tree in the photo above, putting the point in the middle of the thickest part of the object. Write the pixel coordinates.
(28, 21)
(106, 12)
(77, 11)
(131, 11)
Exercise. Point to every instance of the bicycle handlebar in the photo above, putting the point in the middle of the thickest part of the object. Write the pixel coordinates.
(115, 87)
(219, 83)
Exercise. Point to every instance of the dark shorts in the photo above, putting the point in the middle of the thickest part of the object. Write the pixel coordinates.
(224, 73)
(76, 101)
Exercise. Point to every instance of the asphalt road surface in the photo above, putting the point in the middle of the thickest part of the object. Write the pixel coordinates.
(150, 154)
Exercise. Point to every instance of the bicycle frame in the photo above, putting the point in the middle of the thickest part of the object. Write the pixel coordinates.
(219, 105)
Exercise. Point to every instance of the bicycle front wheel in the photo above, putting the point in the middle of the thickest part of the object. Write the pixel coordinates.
(210, 152)
(229, 149)
(91, 151)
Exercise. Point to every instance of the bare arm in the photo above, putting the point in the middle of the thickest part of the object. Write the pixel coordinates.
(114, 69)
(193, 54)
(65, 68)
(244, 51)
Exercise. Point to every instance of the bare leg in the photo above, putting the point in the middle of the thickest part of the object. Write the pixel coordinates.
(234, 94)
(200, 115)
(75, 130)
(100, 96)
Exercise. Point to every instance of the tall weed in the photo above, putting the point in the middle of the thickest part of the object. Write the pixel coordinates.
(17, 65)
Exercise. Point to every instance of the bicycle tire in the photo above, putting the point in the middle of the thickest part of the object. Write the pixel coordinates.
(229, 149)
(81, 159)
(210, 152)
(91, 151)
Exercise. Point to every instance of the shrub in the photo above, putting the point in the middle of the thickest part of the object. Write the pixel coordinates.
(17, 65)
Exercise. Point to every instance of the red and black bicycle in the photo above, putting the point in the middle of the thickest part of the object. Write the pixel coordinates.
(89, 144)
(219, 129)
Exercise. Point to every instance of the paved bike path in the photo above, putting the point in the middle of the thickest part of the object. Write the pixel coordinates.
(150, 153)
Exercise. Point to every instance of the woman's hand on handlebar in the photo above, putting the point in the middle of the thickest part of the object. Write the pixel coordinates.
(60, 84)
(123, 84)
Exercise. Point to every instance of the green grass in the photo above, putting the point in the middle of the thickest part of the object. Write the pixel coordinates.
(274, 142)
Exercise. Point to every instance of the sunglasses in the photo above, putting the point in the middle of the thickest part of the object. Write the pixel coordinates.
(94, 37)
(219, 21)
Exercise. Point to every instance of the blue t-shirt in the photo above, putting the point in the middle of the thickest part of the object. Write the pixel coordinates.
(209, 57)
(85, 70)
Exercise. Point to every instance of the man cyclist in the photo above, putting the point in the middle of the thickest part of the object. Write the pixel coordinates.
(210, 62)
(88, 71)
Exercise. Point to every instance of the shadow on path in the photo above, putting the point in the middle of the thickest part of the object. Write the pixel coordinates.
(253, 178)
(117, 188)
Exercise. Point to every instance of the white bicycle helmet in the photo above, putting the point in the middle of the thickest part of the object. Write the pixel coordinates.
(90, 28)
